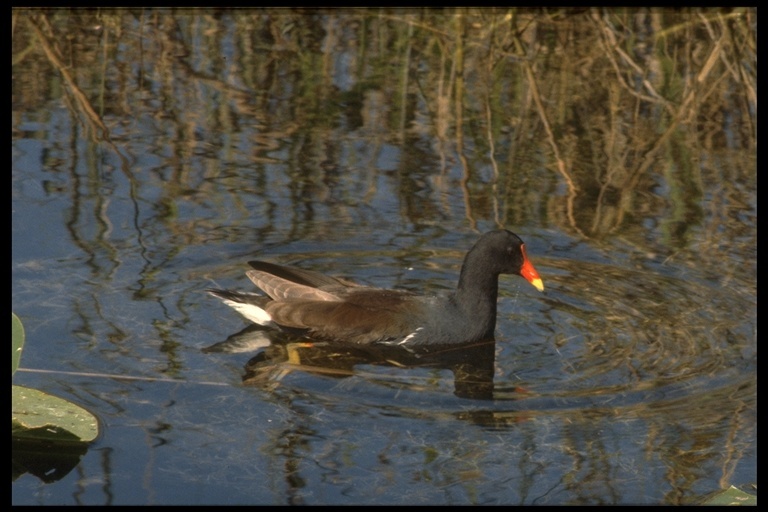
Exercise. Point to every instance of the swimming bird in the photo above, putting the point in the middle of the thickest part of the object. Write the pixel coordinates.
(330, 309)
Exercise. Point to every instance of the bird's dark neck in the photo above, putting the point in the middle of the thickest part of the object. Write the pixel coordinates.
(476, 294)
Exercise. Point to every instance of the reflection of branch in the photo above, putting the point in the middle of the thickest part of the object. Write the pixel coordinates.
(492, 156)
(614, 45)
(458, 62)
(690, 96)
(82, 100)
(561, 167)
(94, 120)
(678, 113)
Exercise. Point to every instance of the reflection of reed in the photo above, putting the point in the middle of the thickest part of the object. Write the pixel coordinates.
(609, 91)
(97, 128)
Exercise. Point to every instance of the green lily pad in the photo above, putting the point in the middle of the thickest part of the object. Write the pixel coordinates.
(731, 496)
(17, 342)
(38, 415)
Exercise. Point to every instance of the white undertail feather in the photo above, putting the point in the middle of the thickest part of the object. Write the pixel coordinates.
(250, 311)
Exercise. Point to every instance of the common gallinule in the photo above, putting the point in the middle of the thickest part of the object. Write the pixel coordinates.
(325, 308)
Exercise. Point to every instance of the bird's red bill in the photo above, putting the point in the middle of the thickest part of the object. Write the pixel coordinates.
(529, 273)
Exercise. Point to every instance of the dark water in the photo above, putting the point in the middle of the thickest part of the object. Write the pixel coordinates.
(154, 153)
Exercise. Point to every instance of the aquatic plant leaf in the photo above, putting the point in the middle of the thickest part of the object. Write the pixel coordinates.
(17, 342)
(731, 496)
(38, 415)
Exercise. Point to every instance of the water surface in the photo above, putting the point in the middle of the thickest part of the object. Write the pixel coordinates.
(155, 152)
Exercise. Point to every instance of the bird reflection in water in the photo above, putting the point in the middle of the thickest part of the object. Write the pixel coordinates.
(472, 364)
